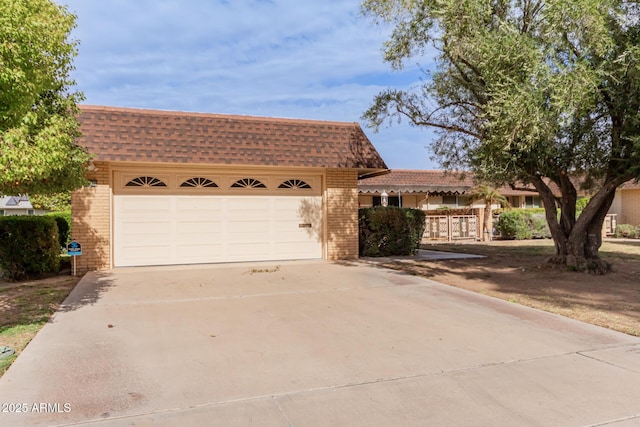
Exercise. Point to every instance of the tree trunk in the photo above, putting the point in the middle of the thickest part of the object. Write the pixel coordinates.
(586, 237)
(488, 226)
(577, 242)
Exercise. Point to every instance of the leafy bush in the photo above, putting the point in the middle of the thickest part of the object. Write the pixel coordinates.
(63, 220)
(522, 224)
(539, 227)
(385, 231)
(581, 204)
(29, 246)
(513, 225)
(627, 231)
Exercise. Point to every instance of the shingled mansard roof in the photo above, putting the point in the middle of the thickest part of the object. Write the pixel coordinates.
(426, 181)
(134, 135)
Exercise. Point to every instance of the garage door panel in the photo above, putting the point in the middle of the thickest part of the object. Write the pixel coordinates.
(203, 227)
(196, 253)
(249, 227)
(199, 209)
(146, 232)
(164, 230)
(144, 205)
(249, 251)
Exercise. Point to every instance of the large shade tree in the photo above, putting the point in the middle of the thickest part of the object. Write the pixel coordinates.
(526, 91)
(38, 124)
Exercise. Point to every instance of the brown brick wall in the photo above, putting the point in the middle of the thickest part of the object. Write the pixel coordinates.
(91, 211)
(90, 221)
(630, 203)
(342, 214)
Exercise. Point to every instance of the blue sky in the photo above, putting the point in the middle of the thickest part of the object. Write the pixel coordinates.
(280, 58)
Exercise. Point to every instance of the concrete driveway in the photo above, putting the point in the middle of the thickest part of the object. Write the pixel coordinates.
(313, 344)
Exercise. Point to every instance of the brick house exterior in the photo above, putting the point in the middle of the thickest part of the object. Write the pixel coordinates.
(133, 147)
(626, 204)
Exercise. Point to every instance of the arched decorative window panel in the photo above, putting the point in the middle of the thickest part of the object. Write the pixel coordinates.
(145, 181)
(248, 183)
(294, 183)
(199, 182)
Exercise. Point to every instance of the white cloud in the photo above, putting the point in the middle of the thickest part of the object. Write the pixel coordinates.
(282, 58)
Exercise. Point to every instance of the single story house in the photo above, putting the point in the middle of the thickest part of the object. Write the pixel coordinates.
(626, 204)
(433, 189)
(17, 205)
(183, 188)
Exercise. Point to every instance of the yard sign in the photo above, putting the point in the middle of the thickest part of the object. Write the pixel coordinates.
(74, 249)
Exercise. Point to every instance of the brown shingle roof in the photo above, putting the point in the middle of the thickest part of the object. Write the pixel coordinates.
(630, 185)
(416, 181)
(126, 134)
(426, 181)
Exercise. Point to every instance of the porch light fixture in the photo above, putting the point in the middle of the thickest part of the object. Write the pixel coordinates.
(384, 199)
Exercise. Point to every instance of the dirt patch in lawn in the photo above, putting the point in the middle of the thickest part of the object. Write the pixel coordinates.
(517, 271)
(26, 306)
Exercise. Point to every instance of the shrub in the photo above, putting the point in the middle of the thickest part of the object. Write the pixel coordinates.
(29, 246)
(627, 231)
(522, 224)
(385, 231)
(581, 204)
(514, 225)
(539, 227)
(63, 220)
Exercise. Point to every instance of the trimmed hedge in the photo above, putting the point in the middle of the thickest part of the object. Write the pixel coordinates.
(385, 231)
(29, 246)
(627, 231)
(63, 220)
(522, 224)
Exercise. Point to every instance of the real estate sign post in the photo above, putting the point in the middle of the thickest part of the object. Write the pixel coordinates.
(74, 249)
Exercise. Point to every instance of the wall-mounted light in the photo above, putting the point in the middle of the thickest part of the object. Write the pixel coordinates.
(91, 167)
(384, 199)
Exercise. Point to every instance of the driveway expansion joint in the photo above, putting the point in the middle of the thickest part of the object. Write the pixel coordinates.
(284, 414)
(616, 421)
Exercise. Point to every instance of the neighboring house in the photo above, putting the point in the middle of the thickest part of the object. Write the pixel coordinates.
(447, 197)
(626, 204)
(185, 188)
(17, 205)
(431, 190)
(437, 192)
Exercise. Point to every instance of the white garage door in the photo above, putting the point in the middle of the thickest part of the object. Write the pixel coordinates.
(169, 229)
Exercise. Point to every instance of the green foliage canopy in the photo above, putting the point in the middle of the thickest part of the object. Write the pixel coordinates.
(521, 88)
(540, 92)
(38, 124)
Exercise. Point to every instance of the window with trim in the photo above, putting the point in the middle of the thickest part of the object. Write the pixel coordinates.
(456, 201)
(145, 181)
(464, 201)
(199, 182)
(393, 201)
(532, 202)
(294, 183)
(248, 183)
(451, 201)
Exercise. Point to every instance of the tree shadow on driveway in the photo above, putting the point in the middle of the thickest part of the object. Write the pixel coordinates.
(611, 300)
(88, 291)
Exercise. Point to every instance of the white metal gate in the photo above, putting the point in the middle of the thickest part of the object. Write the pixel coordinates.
(450, 227)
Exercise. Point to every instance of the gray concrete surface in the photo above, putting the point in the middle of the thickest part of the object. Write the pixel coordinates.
(313, 344)
(424, 255)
